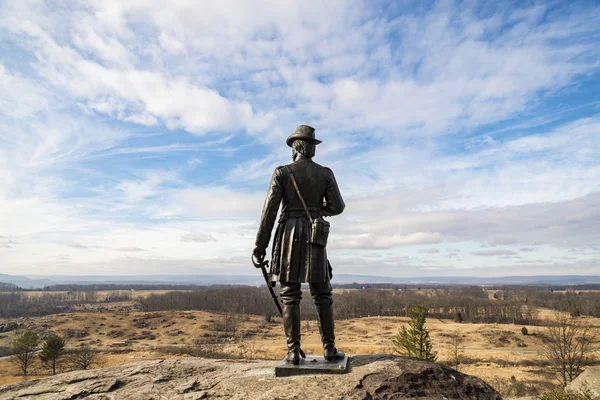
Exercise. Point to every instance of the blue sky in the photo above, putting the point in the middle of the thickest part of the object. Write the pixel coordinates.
(139, 136)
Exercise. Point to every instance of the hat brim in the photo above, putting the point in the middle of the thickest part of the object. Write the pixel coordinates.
(295, 136)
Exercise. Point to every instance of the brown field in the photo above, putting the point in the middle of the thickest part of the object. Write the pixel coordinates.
(492, 352)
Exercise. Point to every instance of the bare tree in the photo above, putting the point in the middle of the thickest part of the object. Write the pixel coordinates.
(567, 345)
(24, 348)
(84, 358)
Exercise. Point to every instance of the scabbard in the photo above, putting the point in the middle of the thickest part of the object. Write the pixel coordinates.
(273, 295)
(263, 267)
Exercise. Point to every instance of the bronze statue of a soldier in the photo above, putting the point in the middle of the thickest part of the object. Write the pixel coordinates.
(308, 192)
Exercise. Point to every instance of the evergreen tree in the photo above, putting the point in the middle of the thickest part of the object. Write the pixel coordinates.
(52, 349)
(415, 341)
(24, 348)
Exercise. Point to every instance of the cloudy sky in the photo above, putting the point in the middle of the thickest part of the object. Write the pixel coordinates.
(139, 136)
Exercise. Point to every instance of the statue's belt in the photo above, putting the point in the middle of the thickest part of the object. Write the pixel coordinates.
(297, 214)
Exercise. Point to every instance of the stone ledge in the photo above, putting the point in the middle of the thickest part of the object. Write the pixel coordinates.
(186, 378)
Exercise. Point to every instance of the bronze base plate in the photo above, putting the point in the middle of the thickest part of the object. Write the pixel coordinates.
(312, 365)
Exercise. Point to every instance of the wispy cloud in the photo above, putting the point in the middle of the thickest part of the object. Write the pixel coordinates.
(197, 237)
(155, 127)
(489, 253)
(130, 249)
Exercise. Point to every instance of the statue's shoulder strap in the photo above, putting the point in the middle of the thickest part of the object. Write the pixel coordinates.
(299, 194)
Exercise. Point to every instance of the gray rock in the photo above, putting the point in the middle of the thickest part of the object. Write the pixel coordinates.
(371, 377)
(588, 380)
(9, 326)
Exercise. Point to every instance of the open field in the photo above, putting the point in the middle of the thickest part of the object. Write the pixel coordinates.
(491, 351)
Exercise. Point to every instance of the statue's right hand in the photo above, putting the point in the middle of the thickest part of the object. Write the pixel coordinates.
(259, 255)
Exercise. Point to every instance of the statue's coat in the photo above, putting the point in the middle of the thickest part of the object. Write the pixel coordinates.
(293, 258)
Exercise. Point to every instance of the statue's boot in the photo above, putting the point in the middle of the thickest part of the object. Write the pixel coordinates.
(327, 330)
(291, 326)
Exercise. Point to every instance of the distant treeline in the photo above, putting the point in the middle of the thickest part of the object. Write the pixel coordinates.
(238, 299)
(15, 304)
(469, 304)
(120, 286)
(514, 304)
(577, 302)
(546, 287)
(466, 303)
(356, 285)
(19, 304)
(541, 287)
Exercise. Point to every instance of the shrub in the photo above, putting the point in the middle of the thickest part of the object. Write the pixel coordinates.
(512, 387)
(84, 358)
(524, 331)
(561, 394)
(458, 317)
(6, 351)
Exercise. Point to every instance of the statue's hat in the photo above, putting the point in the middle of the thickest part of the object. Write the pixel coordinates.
(303, 132)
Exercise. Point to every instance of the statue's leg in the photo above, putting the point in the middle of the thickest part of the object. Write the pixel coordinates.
(290, 295)
(321, 294)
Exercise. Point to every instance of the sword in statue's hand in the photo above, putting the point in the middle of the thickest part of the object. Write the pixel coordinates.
(260, 262)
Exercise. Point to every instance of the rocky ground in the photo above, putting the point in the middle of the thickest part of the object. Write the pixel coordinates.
(588, 381)
(371, 377)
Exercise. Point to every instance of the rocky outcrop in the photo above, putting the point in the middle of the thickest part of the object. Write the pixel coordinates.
(371, 377)
(589, 380)
(9, 326)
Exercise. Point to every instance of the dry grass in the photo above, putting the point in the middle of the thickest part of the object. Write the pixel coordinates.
(494, 352)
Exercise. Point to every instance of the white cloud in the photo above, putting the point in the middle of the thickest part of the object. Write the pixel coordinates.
(197, 237)
(170, 44)
(370, 241)
(494, 253)
(430, 251)
(130, 249)
(21, 97)
(122, 90)
(217, 203)
(393, 98)
(465, 70)
(146, 186)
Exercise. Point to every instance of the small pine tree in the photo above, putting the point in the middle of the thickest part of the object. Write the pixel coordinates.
(415, 341)
(458, 317)
(52, 349)
(24, 348)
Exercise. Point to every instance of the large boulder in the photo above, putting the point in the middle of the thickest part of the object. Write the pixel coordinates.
(588, 380)
(371, 377)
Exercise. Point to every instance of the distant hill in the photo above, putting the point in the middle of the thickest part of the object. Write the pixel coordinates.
(8, 287)
(31, 282)
(23, 281)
